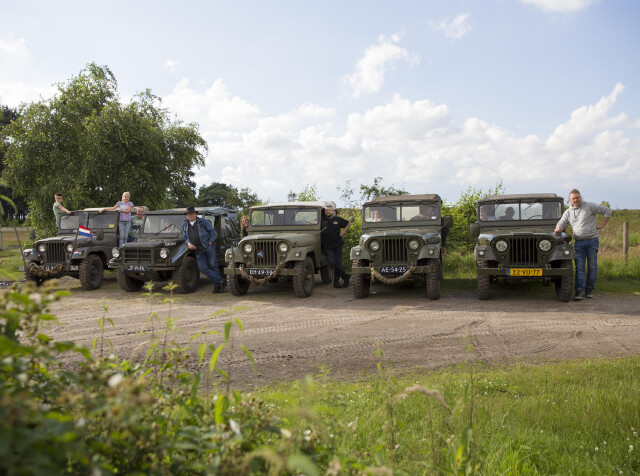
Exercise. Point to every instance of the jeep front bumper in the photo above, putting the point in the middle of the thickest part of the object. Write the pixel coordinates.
(417, 270)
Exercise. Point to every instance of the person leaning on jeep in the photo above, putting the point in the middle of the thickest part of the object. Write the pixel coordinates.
(201, 239)
(582, 218)
(332, 244)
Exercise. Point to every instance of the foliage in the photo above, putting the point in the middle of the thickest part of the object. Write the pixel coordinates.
(222, 195)
(367, 192)
(464, 213)
(7, 115)
(309, 193)
(84, 132)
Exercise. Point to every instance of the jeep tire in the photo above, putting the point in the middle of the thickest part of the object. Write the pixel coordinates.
(564, 284)
(187, 276)
(484, 292)
(326, 274)
(91, 272)
(434, 280)
(237, 284)
(303, 279)
(361, 282)
(128, 283)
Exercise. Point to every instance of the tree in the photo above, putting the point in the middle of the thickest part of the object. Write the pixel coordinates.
(89, 146)
(7, 115)
(222, 195)
(377, 190)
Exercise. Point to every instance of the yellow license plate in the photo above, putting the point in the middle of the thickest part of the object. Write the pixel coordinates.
(524, 272)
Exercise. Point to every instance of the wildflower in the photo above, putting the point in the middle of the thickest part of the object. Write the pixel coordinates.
(35, 298)
(114, 380)
(630, 448)
(234, 426)
(596, 449)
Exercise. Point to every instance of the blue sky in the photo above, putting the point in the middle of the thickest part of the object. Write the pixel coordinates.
(433, 96)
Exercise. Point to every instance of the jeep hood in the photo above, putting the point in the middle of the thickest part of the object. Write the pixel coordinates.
(80, 242)
(399, 233)
(296, 239)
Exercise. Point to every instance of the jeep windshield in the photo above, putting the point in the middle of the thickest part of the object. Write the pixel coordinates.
(401, 212)
(285, 217)
(532, 211)
(71, 222)
(161, 224)
(102, 220)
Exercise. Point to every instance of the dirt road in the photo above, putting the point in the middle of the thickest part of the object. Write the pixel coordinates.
(291, 337)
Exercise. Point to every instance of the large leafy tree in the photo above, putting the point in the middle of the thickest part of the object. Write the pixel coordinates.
(222, 195)
(367, 192)
(7, 115)
(87, 144)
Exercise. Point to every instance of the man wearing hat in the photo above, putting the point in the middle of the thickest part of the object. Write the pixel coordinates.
(201, 239)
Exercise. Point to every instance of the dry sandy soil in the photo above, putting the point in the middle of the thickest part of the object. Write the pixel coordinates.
(291, 337)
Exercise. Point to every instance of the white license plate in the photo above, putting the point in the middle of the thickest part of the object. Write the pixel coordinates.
(137, 268)
(393, 269)
(259, 272)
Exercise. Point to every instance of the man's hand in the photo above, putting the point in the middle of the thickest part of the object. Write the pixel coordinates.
(191, 246)
(558, 230)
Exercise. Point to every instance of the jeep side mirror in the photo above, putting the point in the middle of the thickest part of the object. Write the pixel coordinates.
(474, 231)
(32, 234)
(448, 221)
(99, 234)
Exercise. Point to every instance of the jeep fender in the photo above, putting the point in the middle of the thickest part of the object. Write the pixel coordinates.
(236, 255)
(300, 254)
(180, 252)
(488, 253)
(364, 253)
(559, 253)
(424, 252)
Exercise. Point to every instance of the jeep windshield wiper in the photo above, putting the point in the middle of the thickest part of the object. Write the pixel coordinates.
(168, 226)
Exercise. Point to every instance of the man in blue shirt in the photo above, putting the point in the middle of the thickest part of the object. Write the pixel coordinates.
(201, 239)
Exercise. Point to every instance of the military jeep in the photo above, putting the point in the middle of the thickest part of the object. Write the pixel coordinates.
(401, 239)
(515, 241)
(71, 254)
(284, 242)
(161, 253)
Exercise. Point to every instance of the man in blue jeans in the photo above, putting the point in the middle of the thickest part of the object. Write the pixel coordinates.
(201, 238)
(582, 218)
(333, 228)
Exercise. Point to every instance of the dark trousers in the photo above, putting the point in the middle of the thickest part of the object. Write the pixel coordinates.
(334, 256)
(208, 264)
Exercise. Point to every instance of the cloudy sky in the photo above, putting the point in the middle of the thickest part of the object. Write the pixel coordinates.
(433, 96)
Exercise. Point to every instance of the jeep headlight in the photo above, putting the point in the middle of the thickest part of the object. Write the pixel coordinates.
(283, 247)
(42, 248)
(414, 245)
(375, 245)
(545, 245)
(247, 248)
(164, 253)
(69, 247)
(115, 252)
(501, 246)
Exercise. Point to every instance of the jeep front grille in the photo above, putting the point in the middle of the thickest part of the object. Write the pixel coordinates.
(55, 253)
(394, 250)
(523, 252)
(136, 256)
(265, 254)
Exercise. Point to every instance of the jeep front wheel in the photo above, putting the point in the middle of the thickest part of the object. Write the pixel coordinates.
(128, 283)
(91, 272)
(484, 280)
(237, 284)
(564, 284)
(187, 276)
(434, 280)
(326, 274)
(303, 279)
(361, 282)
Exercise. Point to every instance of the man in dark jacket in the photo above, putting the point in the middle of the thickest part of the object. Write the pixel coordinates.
(201, 239)
(333, 227)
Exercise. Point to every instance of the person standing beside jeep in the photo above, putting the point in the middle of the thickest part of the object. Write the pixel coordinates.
(333, 228)
(201, 239)
(124, 207)
(136, 225)
(582, 218)
(58, 208)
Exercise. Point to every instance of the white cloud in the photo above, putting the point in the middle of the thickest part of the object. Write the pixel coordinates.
(13, 94)
(13, 46)
(415, 144)
(456, 28)
(370, 70)
(559, 5)
(170, 65)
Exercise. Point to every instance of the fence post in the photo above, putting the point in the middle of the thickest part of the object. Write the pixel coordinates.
(625, 241)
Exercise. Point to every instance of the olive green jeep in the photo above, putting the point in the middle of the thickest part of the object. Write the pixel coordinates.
(161, 252)
(284, 241)
(401, 239)
(515, 240)
(80, 254)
